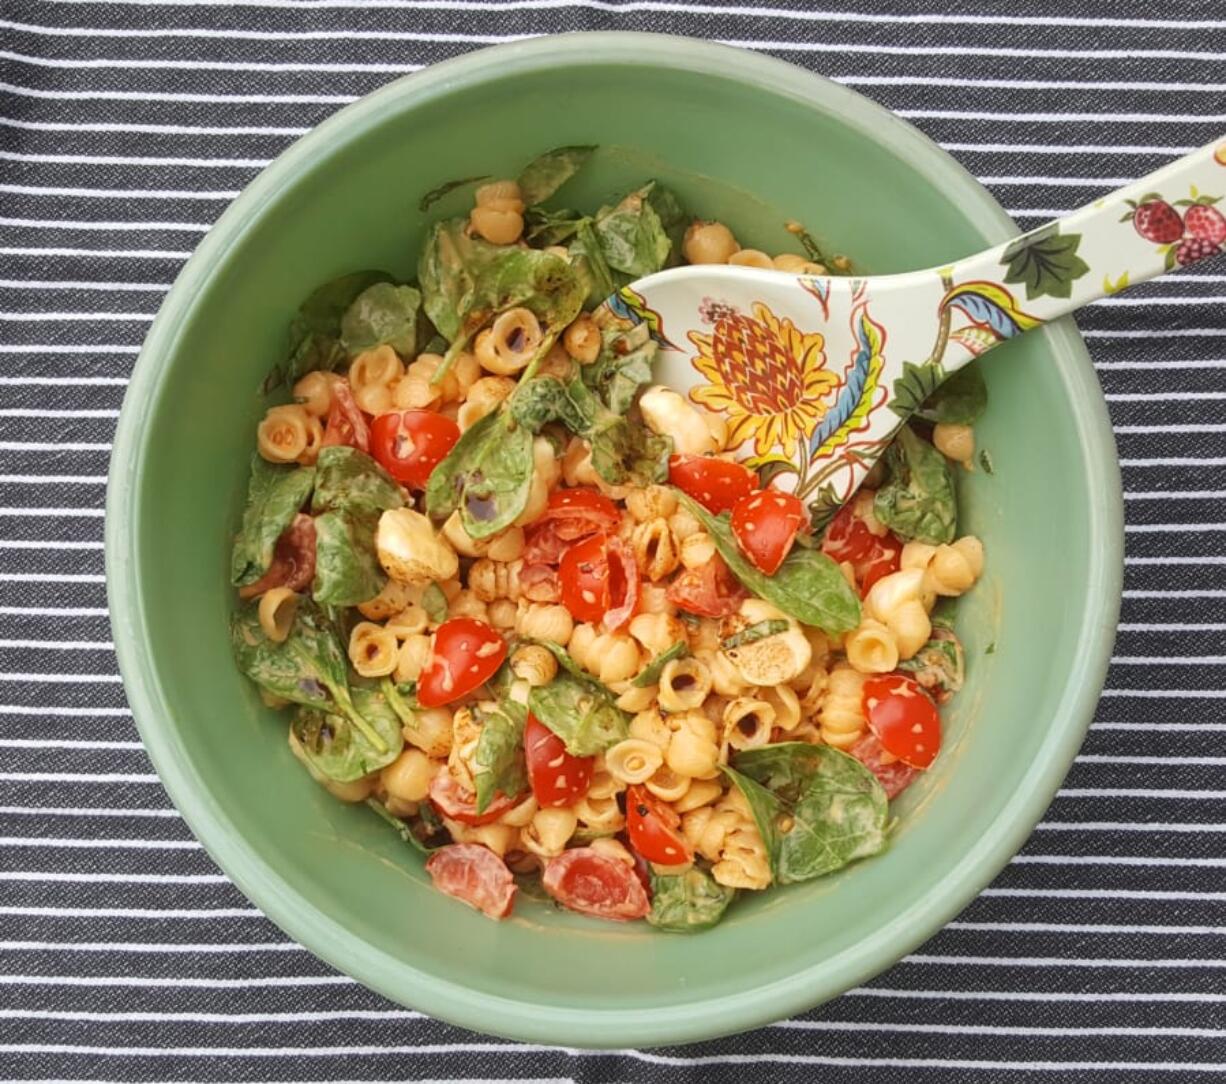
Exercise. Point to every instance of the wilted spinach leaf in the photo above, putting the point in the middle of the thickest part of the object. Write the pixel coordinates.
(624, 450)
(498, 763)
(961, 400)
(808, 585)
(274, 495)
(650, 674)
(487, 476)
(348, 480)
(403, 828)
(545, 174)
(918, 501)
(687, 902)
(538, 401)
(587, 258)
(315, 330)
(343, 752)
(632, 235)
(622, 368)
(816, 808)
(347, 569)
(577, 708)
(940, 665)
(382, 314)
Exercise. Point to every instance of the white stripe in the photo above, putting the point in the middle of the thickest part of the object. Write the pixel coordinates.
(67, 743)
(36, 709)
(210, 1017)
(99, 253)
(102, 844)
(152, 129)
(1155, 660)
(1055, 961)
(207, 914)
(1151, 300)
(1156, 727)
(61, 679)
(58, 645)
(53, 479)
(1175, 559)
(993, 1029)
(41, 348)
(109, 287)
(1140, 792)
(87, 513)
(121, 160)
(1195, 427)
(54, 611)
(1140, 593)
(1126, 826)
(53, 577)
(258, 35)
(78, 811)
(92, 317)
(18, 544)
(1060, 118)
(186, 982)
(47, 446)
(113, 878)
(142, 947)
(1169, 528)
(116, 193)
(1112, 860)
(1178, 461)
(1101, 894)
(1032, 995)
(1175, 494)
(1157, 365)
(219, 99)
(1165, 333)
(1174, 396)
(76, 777)
(75, 63)
(80, 224)
(1095, 758)
(1028, 84)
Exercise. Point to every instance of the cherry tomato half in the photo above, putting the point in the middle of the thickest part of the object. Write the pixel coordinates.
(409, 444)
(652, 827)
(593, 883)
(345, 424)
(572, 514)
(710, 590)
(765, 525)
(891, 773)
(466, 654)
(557, 778)
(600, 581)
(904, 718)
(458, 804)
(886, 557)
(716, 484)
(475, 875)
(847, 538)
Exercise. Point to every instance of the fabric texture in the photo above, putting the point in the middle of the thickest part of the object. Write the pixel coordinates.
(1098, 955)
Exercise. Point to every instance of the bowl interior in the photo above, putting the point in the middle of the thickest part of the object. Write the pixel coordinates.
(741, 139)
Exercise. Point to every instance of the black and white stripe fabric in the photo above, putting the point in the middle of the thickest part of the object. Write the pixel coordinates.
(1098, 955)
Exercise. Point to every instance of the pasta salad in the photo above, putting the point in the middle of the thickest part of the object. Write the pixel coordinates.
(529, 607)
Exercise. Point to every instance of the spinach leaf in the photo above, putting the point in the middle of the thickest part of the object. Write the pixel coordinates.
(633, 237)
(808, 585)
(343, 752)
(578, 708)
(652, 671)
(347, 569)
(434, 602)
(498, 763)
(315, 330)
(348, 480)
(816, 808)
(309, 667)
(687, 902)
(624, 450)
(545, 174)
(918, 501)
(487, 476)
(382, 314)
(466, 281)
(586, 257)
(435, 194)
(940, 665)
(402, 699)
(961, 400)
(403, 829)
(274, 495)
(622, 368)
(538, 401)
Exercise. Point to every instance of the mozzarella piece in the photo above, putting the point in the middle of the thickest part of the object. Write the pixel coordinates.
(773, 660)
(410, 550)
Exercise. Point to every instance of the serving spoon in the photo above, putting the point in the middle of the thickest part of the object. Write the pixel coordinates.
(815, 374)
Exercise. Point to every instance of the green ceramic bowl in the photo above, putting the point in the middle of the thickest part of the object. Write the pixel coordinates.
(751, 141)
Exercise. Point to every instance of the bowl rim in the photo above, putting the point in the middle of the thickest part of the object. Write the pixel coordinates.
(694, 1018)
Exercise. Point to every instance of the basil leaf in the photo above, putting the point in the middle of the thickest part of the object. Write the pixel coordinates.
(538, 401)
(347, 480)
(808, 585)
(940, 665)
(487, 476)
(578, 708)
(651, 673)
(465, 282)
(434, 602)
(315, 330)
(751, 634)
(633, 238)
(347, 569)
(961, 400)
(545, 174)
(617, 377)
(402, 699)
(435, 194)
(543, 228)
(687, 902)
(343, 752)
(309, 667)
(918, 501)
(817, 808)
(498, 763)
(403, 829)
(274, 496)
(382, 314)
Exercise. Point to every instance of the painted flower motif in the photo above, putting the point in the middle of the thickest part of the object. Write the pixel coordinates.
(711, 310)
(767, 376)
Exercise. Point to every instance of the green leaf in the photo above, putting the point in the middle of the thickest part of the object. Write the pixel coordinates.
(498, 763)
(348, 480)
(543, 227)
(751, 634)
(687, 902)
(940, 665)
(650, 674)
(1045, 261)
(382, 314)
(914, 387)
(347, 569)
(434, 602)
(487, 476)
(402, 699)
(812, 249)
(577, 708)
(632, 236)
(466, 282)
(403, 829)
(315, 330)
(274, 496)
(808, 585)
(960, 400)
(622, 369)
(537, 402)
(816, 808)
(343, 752)
(548, 172)
(435, 194)
(595, 276)
(918, 501)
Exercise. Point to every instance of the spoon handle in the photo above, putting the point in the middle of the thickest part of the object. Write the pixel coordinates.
(1167, 220)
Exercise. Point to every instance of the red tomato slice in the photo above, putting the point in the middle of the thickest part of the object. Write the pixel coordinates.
(466, 654)
(571, 514)
(453, 801)
(595, 884)
(475, 875)
(652, 827)
(716, 484)
(557, 778)
(894, 775)
(710, 591)
(885, 558)
(765, 525)
(409, 444)
(346, 423)
(293, 560)
(904, 718)
(539, 583)
(600, 581)
(623, 585)
(847, 538)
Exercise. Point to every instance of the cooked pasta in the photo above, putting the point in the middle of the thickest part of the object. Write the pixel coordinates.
(684, 684)
(748, 722)
(373, 650)
(841, 713)
(634, 760)
(277, 608)
(655, 550)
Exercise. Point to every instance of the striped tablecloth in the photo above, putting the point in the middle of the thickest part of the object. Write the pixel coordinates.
(125, 128)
